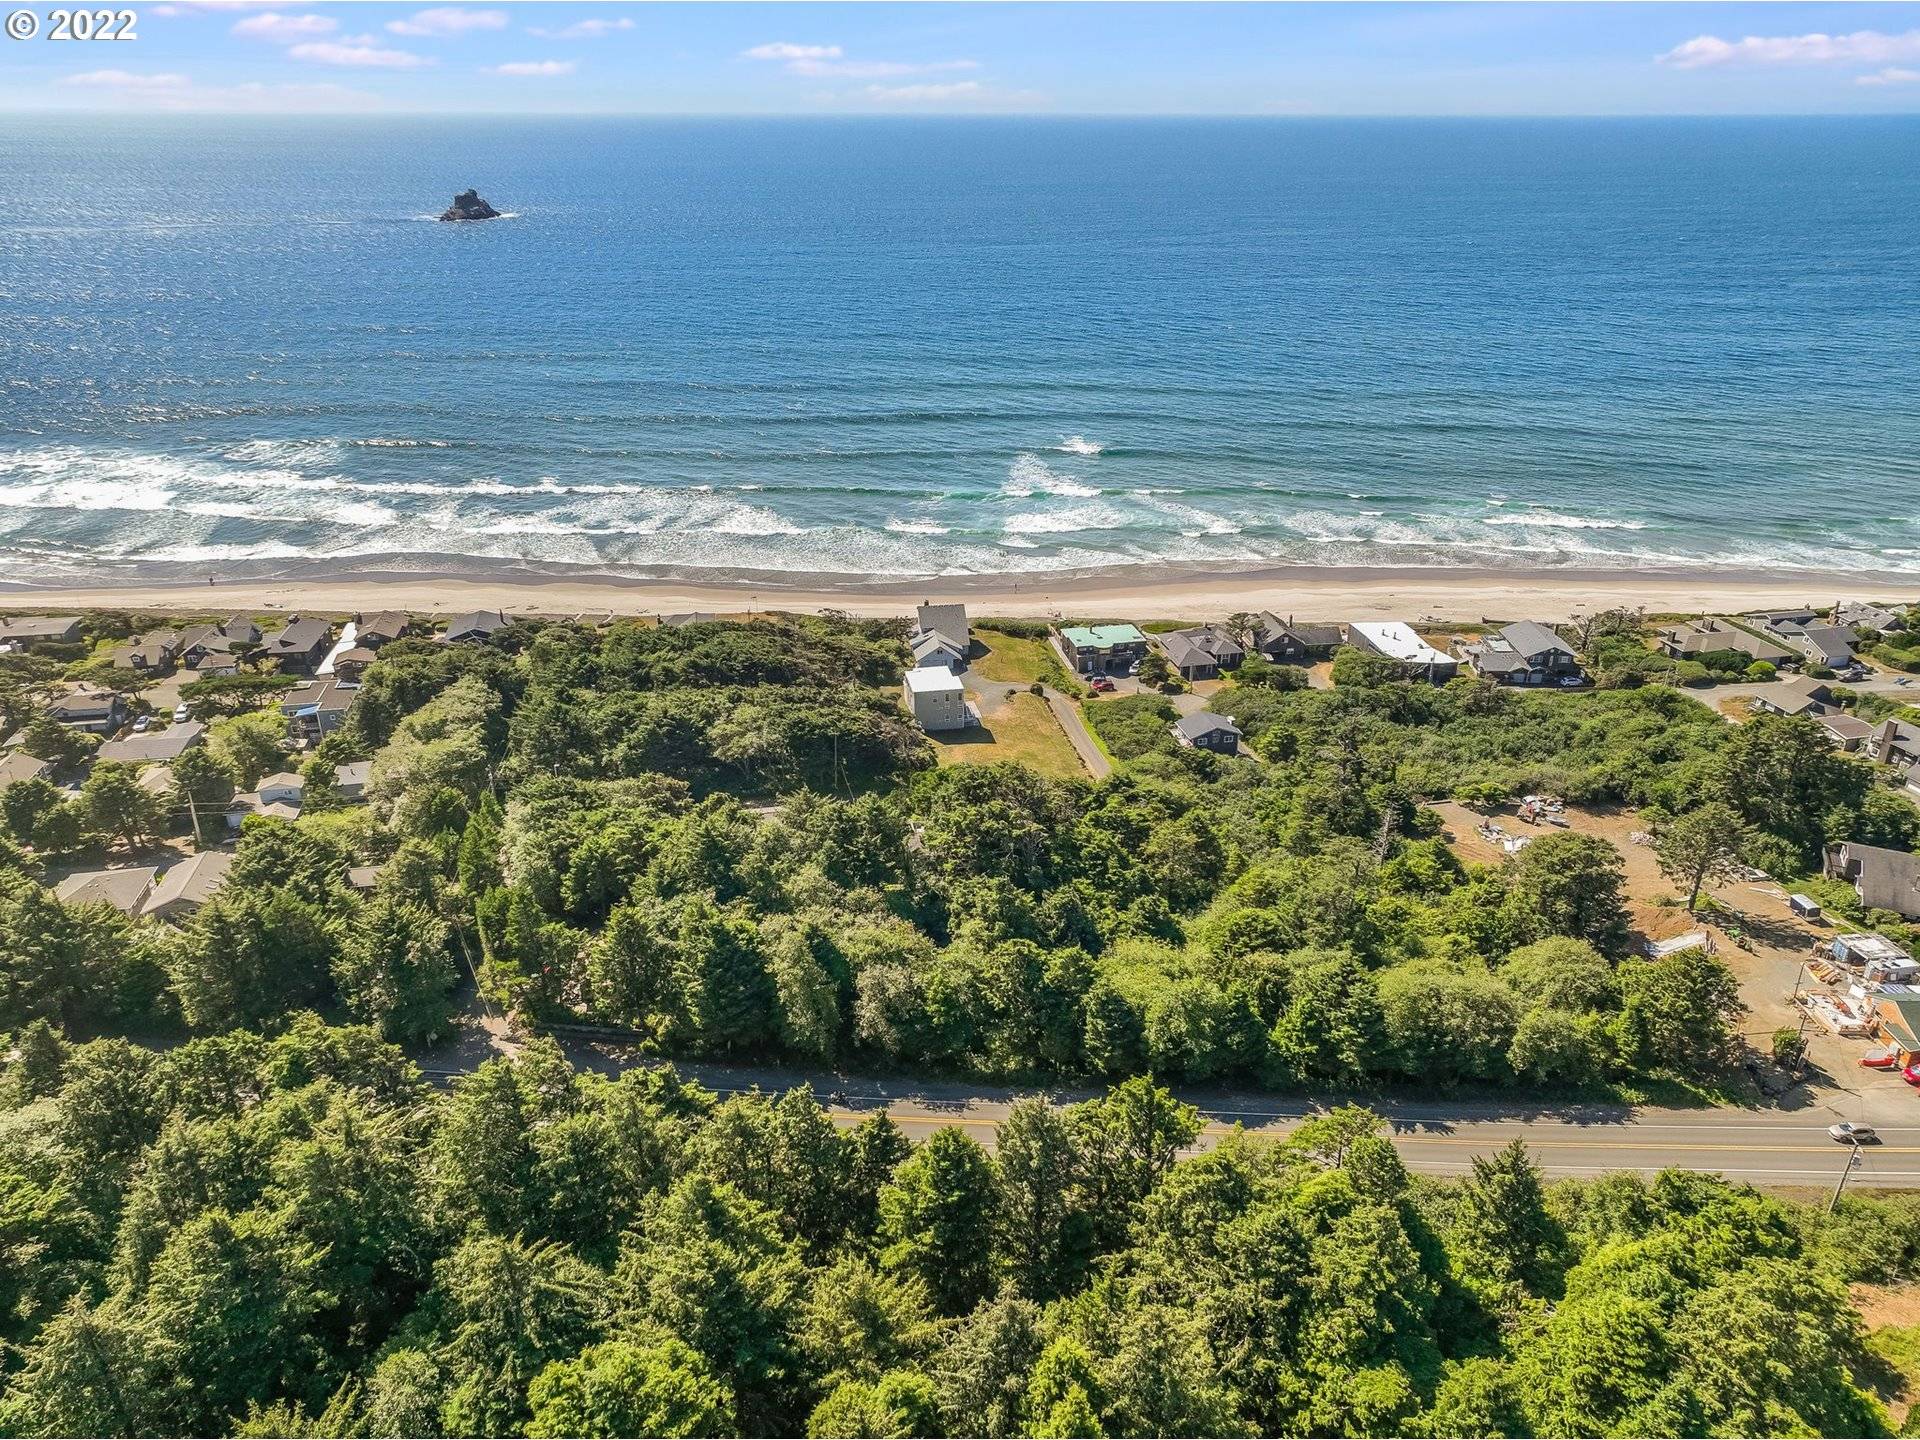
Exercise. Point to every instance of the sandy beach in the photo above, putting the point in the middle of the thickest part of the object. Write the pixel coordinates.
(1303, 592)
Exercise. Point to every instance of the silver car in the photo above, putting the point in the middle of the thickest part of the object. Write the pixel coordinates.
(1848, 1133)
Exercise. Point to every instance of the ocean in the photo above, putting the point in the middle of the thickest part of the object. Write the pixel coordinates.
(993, 347)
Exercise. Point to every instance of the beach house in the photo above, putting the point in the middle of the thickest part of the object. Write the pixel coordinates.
(1296, 642)
(1393, 640)
(1883, 879)
(92, 712)
(1694, 638)
(186, 885)
(1525, 653)
(379, 628)
(1204, 730)
(153, 747)
(301, 646)
(1100, 649)
(1202, 652)
(941, 636)
(23, 632)
(318, 708)
(152, 651)
(475, 625)
(936, 699)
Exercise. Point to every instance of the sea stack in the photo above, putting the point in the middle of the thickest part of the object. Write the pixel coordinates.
(468, 205)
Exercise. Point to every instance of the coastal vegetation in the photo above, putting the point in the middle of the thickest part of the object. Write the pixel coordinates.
(236, 1206)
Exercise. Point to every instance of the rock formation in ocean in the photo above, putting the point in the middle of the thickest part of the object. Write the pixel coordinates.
(468, 205)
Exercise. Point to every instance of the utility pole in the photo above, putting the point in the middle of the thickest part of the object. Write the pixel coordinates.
(1853, 1161)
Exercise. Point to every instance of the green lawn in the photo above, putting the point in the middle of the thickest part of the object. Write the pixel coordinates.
(1016, 660)
(1023, 730)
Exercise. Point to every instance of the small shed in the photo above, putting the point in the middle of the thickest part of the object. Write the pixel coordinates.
(936, 698)
(1805, 906)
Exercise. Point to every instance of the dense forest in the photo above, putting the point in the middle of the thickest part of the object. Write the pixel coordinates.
(293, 1236)
(232, 1202)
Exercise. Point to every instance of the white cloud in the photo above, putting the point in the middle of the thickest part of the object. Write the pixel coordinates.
(1862, 47)
(921, 94)
(535, 67)
(583, 29)
(449, 20)
(284, 29)
(371, 57)
(1892, 75)
(127, 80)
(786, 50)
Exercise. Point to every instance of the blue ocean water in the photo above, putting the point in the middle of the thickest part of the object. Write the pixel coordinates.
(921, 347)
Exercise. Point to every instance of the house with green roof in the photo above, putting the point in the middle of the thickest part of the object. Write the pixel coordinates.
(1101, 649)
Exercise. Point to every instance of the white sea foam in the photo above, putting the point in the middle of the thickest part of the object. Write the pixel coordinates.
(1030, 475)
(1553, 521)
(1079, 445)
(916, 527)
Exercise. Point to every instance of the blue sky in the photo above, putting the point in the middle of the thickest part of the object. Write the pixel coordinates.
(885, 58)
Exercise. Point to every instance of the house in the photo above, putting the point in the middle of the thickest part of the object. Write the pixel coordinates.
(153, 746)
(17, 765)
(1393, 640)
(1101, 649)
(301, 646)
(187, 885)
(936, 698)
(152, 651)
(318, 708)
(350, 779)
(364, 877)
(156, 780)
(1295, 642)
(1883, 879)
(1860, 615)
(279, 795)
(1847, 732)
(1861, 950)
(1895, 742)
(1204, 730)
(380, 627)
(1897, 1021)
(475, 625)
(941, 635)
(350, 666)
(21, 632)
(1202, 652)
(1817, 641)
(125, 889)
(208, 649)
(1525, 653)
(92, 712)
(1702, 637)
(1796, 695)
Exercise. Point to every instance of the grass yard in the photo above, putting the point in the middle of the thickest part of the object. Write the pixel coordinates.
(1018, 661)
(1022, 729)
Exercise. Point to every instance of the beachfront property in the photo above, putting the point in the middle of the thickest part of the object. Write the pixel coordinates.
(1100, 649)
(1524, 653)
(379, 628)
(474, 625)
(1203, 730)
(209, 649)
(1858, 615)
(1202, 652)
(23, 632)
(1396, 641)
(1693, 638)
(153, 747)
(90, 712)
(1883, 879)
(936, 699)
(301, 646)
(941, 636)
(318, 708)
(153, 651)
(1817, 641)
(350, 666)
(1296, 642)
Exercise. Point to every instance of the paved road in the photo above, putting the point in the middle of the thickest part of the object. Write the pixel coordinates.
(1071, 721)
(1777, 1148)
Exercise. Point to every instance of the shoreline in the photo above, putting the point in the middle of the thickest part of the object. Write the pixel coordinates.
(1311, 592)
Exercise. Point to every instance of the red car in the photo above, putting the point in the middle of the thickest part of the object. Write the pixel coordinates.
(1881, 1060)
(1911, 1074)
(1100, 685)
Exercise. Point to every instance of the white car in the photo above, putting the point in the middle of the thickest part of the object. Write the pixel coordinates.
(140, 725)
(1848, 1133)
(181, 714)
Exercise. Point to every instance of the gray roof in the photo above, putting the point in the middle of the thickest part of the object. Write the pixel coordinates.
(381, 626)
(1865, 615)
(1204, 722)
(933, 642)
(1201, 645)
(1313, 634)
(84, 705)
(1698, 637)
(123, 889)
(481, 623)
(949, 621)
(300, 637)
(189, 884)
(38, 627)
(168, 744)
(353, 772)
(1529, 638)
(1887, 879)
(1796, 695)
(1830, 643)
(17, 765)
(325, 693)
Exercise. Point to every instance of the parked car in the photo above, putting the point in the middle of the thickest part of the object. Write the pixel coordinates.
(140, 725)
(181, 714)
(1848, 1133)
(1888, 1059)
(1100, 685)
(1911, 1074)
